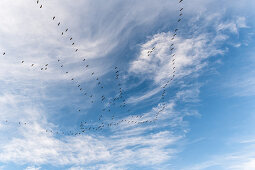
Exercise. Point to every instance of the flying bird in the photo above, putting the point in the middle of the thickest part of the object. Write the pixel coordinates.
(76, 50)
(66, 29)
(72, 43)
(37, 1)
(179, 19)
(22, 61)
(71, 38)
(32, 65)
(180, 1)
(181, 9)
(41, 6)
(4, 53)
(58, 23)
(53, 18)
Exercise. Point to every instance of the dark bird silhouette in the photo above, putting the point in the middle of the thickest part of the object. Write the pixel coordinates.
(84, 59)
(22, 61)
(4, 53)
(176, 30)
(66, 29)
(87, 65)
(37, 1)
(58, 60)
(76, 50)
(71, 38)
(53, 18)
(41, 6)
(92, 73)
(181, 9)
(46, 65)
(179, 20)
(72, 43)
(116, 67)
(32, 65)
(180, 1)
(62, 33)
(180, 14)
(61, 66)
(67, 72)
(58, 23)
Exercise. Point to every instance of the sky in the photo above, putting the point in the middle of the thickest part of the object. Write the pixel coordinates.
(119, 85)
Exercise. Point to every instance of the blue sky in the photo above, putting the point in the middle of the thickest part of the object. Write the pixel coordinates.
(205, 122)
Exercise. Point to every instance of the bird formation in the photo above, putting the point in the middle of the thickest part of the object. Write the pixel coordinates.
(109, 101)
(173, 69)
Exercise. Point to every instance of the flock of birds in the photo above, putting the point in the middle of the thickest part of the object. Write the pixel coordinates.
(107, 102)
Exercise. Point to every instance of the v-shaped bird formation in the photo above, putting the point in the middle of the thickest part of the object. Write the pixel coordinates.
(107, 116)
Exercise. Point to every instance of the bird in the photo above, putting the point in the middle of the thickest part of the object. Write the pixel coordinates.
(181, 9)
(46, 65)
(53, 18)
(41, 68)
(41, 6)
(179, 19)
(72, 79)
(116, 67)
(71, 38)
(79, 85)
(87, 65)
(62, 33)
(180, 14)
(32, 65)
(22, 61)
(45, 68)
(58, 23)
(180, 1)
(66, 29)
(176, 30)
(58, 60)
(37, 1)
(92, 73)
(67, 72)
(61, 66)
(4, 53)
(91, 95)
(84, 59)
(76, 50)
(72, 43)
